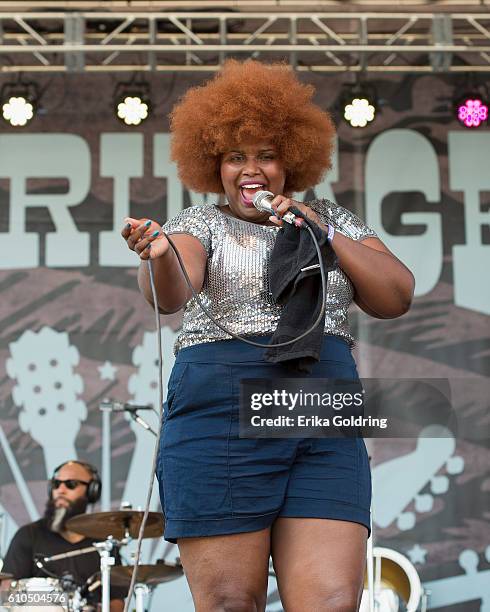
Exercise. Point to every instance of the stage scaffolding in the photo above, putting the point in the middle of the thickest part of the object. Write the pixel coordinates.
(79, 41)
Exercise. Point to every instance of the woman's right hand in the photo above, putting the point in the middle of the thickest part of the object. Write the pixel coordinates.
(145, 237)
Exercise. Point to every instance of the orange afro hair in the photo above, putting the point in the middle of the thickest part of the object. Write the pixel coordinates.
(250, 101)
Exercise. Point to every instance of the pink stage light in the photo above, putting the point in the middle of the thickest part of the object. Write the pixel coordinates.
(472, 112)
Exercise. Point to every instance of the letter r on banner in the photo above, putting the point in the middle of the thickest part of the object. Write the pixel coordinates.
(24, 156)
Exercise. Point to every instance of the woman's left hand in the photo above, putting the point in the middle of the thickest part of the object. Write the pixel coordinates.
(281, 205)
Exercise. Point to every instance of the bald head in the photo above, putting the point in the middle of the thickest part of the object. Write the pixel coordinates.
(74, 470)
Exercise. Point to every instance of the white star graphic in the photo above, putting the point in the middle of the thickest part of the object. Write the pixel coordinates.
(107, 371)
(417, 554)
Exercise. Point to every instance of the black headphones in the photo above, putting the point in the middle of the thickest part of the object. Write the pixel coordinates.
(94, 487)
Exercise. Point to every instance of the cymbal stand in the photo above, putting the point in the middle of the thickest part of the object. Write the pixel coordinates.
(106, 560)
(140, 590)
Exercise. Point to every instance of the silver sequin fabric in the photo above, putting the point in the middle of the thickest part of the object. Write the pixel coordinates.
(236, 285)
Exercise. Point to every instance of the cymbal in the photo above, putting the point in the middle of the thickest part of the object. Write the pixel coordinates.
(5, 576)
(151, 575)
(117, 524)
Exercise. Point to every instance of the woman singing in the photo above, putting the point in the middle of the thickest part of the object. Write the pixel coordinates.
(232, 502)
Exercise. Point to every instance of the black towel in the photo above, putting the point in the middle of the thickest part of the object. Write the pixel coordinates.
(299, 292)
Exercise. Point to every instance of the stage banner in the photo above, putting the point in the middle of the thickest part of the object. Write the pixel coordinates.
(75, 331)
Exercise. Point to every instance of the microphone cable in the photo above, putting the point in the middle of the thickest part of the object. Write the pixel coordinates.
(160, 369)
(157, 441)
(320, 316)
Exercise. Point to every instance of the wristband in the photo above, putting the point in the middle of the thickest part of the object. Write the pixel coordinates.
(331, 232)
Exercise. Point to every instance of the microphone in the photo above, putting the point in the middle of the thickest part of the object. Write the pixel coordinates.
(262, 201)
(123, 407)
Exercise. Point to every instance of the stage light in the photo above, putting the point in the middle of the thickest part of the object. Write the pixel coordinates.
(132, 110)
(132, 102)
(358, 104)
(359, 112)
(17, 111)
(472, 111)
(18, 101)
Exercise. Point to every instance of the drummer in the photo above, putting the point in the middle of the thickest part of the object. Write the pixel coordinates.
(73, 486)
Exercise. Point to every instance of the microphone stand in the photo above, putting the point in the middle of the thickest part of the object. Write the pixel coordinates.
(137, 419)
(108, 405)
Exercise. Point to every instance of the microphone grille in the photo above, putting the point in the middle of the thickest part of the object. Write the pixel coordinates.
(260, 196)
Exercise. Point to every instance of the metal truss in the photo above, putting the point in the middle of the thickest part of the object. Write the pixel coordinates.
(269, 5)
(98, 41)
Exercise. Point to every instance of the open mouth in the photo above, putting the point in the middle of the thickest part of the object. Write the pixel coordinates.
(248, 191)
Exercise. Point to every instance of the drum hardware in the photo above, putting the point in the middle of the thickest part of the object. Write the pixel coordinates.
(148, 577)
(118, 528)
(114, 529)
(76, 602)
(104, 548)
(29, 594)
(390, 580)
(140, 590)
(396, 584)
(40, 560)
(51, 594)
(106, 561)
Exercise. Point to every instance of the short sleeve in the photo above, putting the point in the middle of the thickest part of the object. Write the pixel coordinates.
(343, 220)
(193, 221)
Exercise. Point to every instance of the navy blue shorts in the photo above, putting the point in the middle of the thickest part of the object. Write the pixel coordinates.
(212, 482)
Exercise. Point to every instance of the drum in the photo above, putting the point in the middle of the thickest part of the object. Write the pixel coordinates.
(397, 584)
(43, 594)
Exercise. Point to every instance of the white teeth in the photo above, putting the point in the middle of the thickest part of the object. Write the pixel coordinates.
(251, 186)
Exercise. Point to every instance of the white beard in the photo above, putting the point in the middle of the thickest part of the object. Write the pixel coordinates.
(58, 518)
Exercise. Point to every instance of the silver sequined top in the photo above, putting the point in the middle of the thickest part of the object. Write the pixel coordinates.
(236, 284)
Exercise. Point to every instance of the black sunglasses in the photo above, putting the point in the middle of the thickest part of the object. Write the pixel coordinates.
(71, 483)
